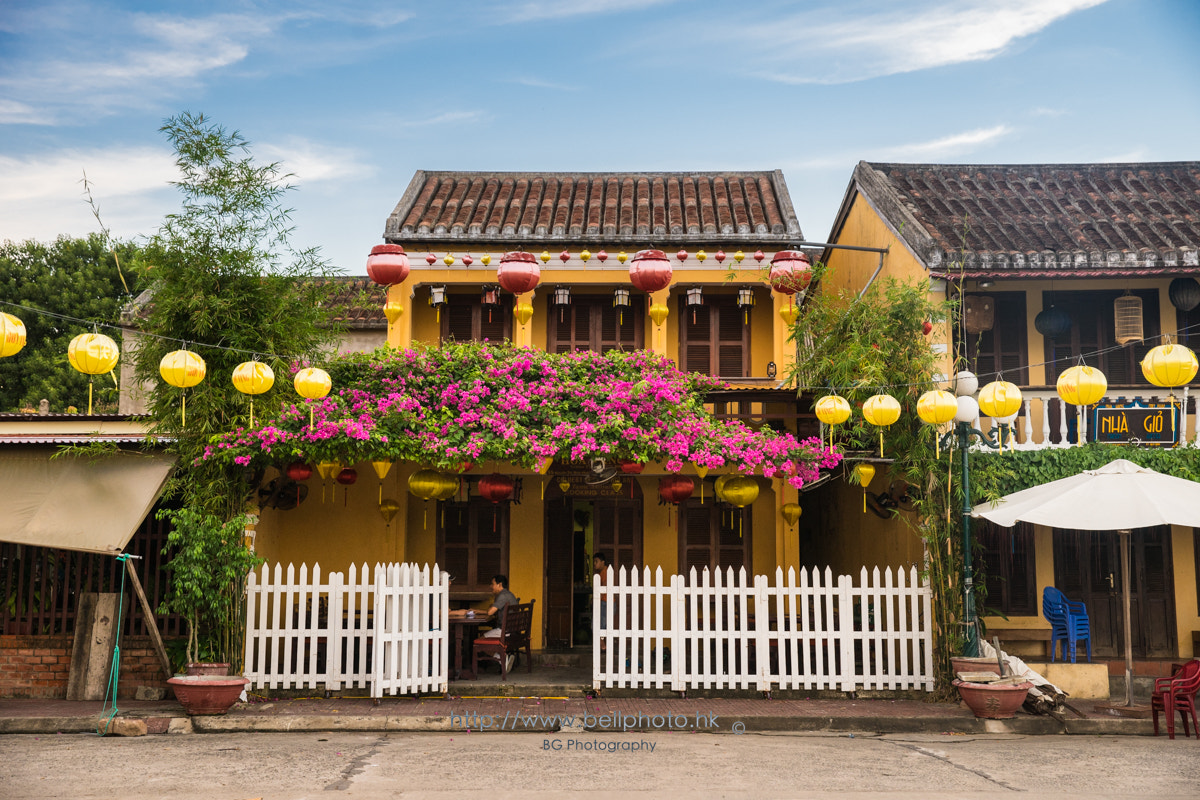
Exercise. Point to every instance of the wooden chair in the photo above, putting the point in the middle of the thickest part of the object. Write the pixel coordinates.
(516, 626)
(1177, 694)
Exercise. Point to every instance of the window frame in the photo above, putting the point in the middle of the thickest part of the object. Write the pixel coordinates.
(716, 306)
(596, 306)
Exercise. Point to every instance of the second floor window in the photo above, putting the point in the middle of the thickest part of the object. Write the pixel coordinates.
(466, 319)
(1093, 335)
(593, 323)
(1001, 350)
(714, 338)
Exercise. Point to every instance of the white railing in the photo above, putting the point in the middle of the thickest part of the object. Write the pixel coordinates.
(305, 633)
(720, 630)
(1032, 429)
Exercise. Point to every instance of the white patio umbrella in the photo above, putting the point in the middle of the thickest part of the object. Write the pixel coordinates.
(1119, 496)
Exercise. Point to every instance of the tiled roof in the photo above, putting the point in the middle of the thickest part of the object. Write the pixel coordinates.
(80, 438)
(1041, 220)
(660, 208)
(358, 303)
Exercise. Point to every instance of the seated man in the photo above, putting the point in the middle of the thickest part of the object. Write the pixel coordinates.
(503, 597)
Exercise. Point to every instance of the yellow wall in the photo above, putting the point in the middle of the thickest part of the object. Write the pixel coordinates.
(1187, 610)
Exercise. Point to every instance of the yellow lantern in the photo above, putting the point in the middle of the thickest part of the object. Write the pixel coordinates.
(1000, 399)
(864, 472)
(791, 513)
(381, 469)
(388, 510)
(523, 312)
(881, 410)
(392, 310)
(325, 469)
(788, 314)
(93, 354)
(1169, 365)
(1082, 386)
(703, 473)
(12, 335)
(719, 486)
(429, 484)
(447, 488)
(312, 383)
(183, 369)
(937, 408)
(253, 377)
(740, 491)
(832, 410)
(659, 312)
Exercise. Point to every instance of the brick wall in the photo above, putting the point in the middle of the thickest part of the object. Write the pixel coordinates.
(38, 666)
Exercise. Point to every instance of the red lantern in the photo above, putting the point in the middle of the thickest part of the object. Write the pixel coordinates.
(720, 256)
(387, 264)
(347, 477)
(565, 256)
(675, 488)
(791, 271)
(518, 272)
(759, 255)
(682, 254)
(430, 258)
(299, 471)
(650, 270)
(632, 467)
(602, 255)
(496, 487)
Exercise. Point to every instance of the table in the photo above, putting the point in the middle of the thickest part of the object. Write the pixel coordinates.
(459, 626)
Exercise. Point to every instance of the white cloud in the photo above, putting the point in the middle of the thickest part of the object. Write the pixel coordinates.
(310, 162)
(537, 83)
(13, 112)
(945, 146)
(558, 9)
(446, 118)
(845, 43)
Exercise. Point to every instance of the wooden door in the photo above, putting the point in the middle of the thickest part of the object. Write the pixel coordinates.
(617, 530)
(1087, 567)
(560, 536)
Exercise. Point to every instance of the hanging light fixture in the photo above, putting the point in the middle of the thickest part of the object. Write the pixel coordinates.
(562, 299)
(490, 297)
(437, 299)
(695, 297)
(621, 302)
(745, 301)
(1127, 313)
(1184, 293)
(1052, 322)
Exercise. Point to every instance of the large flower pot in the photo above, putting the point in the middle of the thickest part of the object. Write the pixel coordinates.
(207, 695)
(993, 701)
(970, 664)
(207, 668)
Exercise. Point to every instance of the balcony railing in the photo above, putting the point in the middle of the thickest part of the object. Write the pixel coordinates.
(1042, 423)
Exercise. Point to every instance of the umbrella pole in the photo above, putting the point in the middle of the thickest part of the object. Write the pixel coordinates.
(1124, 534)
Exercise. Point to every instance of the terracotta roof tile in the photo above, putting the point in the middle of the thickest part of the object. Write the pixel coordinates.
(357, 303)
(457, 209)
(1043, 219)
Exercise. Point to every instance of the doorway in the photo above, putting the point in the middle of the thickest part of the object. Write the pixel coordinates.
(579, 523)
(1087, 567)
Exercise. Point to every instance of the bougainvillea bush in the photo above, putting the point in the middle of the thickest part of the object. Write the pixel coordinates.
(466, 403)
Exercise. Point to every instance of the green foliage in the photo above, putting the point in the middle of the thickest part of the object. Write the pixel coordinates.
(224, 274)
(209, 565)
(73, 277)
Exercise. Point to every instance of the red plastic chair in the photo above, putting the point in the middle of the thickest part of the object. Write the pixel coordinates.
(1177, 694)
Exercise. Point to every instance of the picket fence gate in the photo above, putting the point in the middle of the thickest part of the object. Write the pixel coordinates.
(714, 630)
(354, 629)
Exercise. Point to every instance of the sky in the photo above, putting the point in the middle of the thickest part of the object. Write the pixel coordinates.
(354, 97)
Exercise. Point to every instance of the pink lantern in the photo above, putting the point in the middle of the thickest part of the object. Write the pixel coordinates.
(759, 255)
(430, 258)
(518, 272)
(467, 260)
(791, 272)
(650, 270)
(387, 264)
(602, 255)
(682, 254)
(720, 256)
(565, 256)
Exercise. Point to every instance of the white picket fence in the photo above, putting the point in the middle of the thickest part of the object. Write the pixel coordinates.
(715, 631)
(305, 633)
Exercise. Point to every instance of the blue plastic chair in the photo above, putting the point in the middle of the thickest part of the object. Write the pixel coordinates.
(1069, 624)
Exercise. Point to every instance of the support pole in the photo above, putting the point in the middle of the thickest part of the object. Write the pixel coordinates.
(1125, 591)
(971, 633)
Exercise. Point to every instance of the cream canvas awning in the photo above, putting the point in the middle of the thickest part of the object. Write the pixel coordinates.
(94, 505)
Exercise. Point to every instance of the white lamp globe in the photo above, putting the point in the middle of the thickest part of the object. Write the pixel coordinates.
(968, 410)
(965, 383)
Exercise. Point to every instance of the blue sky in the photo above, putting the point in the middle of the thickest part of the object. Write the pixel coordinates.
(353, 97)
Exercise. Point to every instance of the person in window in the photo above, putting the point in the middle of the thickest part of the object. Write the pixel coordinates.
(600, 563)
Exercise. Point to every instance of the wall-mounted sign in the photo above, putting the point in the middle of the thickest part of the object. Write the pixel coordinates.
(1137, 424)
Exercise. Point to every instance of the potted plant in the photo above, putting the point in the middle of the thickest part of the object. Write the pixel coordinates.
(997, 699)
(209, 564)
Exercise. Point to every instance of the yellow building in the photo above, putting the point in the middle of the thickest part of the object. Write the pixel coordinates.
(1054, 263)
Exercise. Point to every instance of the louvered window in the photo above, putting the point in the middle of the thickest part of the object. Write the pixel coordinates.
(465, 319)
(617, 530)
(714, 338)
(1002, 349)
(1093, 334)
(472, 541)
(713, 536)
(593, 323)
(1007, 564)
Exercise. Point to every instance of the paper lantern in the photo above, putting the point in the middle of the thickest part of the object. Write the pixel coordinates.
(298, 471)
(789, 314)
(791, 272)
(523, 312)
(182, 369)
(1082, 386)
(347, 478)
(791, 513)
(674, 489)
(881, 410)
(519, 272)
(832, 409)
(393, 311)
(740, 491)
(381, 470)
(864, 472)
(253, 377)
(447, 487)
(937, 408)
(632, 467)
(312, 383)
(425, 483)
(93, 353)
(1052, 322)
(1184, 293)
(650, 270)
(1169, 365)
(388, 510)
(1000, 399)
(659, 313)
(12, 335)
(387, 264)
(719, 486)
(496, 487)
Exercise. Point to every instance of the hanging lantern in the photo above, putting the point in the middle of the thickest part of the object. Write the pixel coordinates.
(326, 469)
(564, 485)
(312, 383)
(523, 312)
(298, 471)
(12, 335)
(788, 314)
(739, 256)
(253, 377)
(564, 256)
(437, 299)
(759, 255)
(719, 486)
(519, 272)
(937, 408)
(616, 485)
(388, 510)
(650, 271)
(381, 469)
(490, 296)
(182, 369)
(740, 491)
(674, 489)
(1052, 322)
(681, 255)
(864, 472)
(622, 257)
(467, 260)
(93, 353)
(425, 483)
(448, 259)
(545, 256)
(791, 272)
(1169, 365)
(1184, 293)
(1082, 385)
(562, 296)
(387, 264)
(485, 259)
(632, 467)
(585, 255)
(832, 410)
(621, 302)
(703, 473)
(346, 478)
(701, 256)
(602, 255)
(791, 513)
(881, 410)
(745, 301)
(979, 313)
(659, 313)
(496, 487)
(447, 487)
(392, 310)
(1000, 399)
(1127, 314)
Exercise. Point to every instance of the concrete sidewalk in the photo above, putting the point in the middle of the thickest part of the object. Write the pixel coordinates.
(549, 714)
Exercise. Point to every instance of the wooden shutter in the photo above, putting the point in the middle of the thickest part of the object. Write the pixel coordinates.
(733, 346)
(466, 319)
(710, 536)
(458, 322)
(617, 529)
(1008, 568)
(1002, 350)
(714, 337)
(593, 323)
(472, 541)
(1093, 330)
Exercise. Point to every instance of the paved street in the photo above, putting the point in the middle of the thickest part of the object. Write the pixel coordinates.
(530, 766)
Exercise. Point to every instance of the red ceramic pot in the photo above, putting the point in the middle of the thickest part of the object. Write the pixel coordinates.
(993, 701)
(207, 695)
